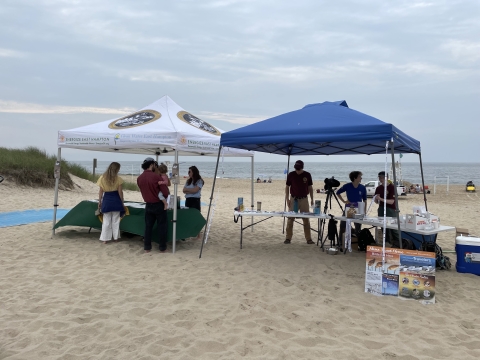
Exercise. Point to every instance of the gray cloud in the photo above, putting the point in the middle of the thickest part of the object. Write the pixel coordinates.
(411, 63)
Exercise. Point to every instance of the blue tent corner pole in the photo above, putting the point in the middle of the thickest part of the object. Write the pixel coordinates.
(423, 182)
(397, 210)
(210, 204)
(285, 202)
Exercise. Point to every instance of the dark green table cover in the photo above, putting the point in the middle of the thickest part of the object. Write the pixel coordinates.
(189, 221)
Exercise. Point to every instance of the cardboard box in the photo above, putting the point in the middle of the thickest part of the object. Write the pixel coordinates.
(461, 232)
(419, 210)
(433, 218)
(415, 222)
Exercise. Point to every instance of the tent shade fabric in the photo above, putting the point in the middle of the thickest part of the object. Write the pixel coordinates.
(190, 221)
(328, 128)
(157, 129)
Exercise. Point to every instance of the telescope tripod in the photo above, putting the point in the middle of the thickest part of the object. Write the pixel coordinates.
(332, 233)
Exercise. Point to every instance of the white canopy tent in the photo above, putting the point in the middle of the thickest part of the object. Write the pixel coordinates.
(158, 129)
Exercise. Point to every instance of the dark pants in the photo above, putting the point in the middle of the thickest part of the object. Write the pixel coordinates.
(391, 235)
(193, 203)
(155, 212)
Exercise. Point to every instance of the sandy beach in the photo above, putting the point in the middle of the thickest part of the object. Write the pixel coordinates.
(71, 297)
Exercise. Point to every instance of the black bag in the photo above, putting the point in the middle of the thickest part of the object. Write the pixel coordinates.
(332, 229)
(443, 262)
(364, 238)
(407, 244)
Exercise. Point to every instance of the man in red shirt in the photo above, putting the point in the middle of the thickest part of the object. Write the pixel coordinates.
(299, 185)
(391, 235)
(154, 208)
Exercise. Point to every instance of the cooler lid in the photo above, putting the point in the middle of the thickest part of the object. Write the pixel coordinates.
(467, 240)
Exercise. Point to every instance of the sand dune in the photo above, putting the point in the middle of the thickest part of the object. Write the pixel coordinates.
(71, 297)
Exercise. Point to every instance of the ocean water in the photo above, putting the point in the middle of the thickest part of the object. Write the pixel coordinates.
(457, 173)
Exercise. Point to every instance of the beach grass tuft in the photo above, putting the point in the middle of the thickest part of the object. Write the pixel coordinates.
(34, 167)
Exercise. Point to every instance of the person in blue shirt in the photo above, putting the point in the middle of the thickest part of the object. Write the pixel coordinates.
(356, 193)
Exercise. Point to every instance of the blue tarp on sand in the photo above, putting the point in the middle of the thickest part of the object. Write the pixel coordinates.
(24, 217)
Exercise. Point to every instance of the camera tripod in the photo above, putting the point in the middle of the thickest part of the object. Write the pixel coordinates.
(332, 233)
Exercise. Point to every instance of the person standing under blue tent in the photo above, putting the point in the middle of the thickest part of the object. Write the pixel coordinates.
(155, 211)
(391, 235)
(110, 202)
(299, 185)
(356, 193)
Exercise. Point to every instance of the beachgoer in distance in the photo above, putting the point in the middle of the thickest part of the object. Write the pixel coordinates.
(259, 180)
(193, 189)
(418, 188)
(164, 183)
(356, 193)
(299, 185)
(155, 210)
(391, 235)
(110, 202)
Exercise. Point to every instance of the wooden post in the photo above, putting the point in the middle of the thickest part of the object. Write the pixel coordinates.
(94, 166)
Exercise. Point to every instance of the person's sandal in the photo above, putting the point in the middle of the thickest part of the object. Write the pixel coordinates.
(310, 242)
(286, 241)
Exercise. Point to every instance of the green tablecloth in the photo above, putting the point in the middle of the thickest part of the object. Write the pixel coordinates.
(189, 221)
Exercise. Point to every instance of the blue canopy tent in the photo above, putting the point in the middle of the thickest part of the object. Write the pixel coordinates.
(328, 128)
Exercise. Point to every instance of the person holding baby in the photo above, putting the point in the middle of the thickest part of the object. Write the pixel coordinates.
(155, 208)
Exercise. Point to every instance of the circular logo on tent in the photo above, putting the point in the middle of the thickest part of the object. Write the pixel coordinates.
(136, 119)
(198, 123)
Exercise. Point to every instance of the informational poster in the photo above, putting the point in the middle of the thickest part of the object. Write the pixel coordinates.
(408, 274)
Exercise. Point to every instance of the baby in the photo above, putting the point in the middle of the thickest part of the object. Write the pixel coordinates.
(164, 183)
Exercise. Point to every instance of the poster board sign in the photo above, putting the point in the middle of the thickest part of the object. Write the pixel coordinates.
(408, 274)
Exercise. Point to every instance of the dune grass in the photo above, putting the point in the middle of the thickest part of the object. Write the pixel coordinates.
(34, 167)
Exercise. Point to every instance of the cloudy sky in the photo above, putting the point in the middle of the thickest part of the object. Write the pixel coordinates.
(69, 63)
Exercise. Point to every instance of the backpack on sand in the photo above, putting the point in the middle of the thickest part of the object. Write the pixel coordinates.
(443, 262)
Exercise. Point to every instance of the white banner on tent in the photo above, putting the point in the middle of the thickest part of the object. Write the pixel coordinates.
(162, 126)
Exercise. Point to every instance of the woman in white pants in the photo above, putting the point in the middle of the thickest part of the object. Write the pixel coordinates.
(110, 202)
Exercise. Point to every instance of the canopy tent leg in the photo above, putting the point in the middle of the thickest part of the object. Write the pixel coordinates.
(397, 209)
(211, 198)
(57, 181)
(285, 201)
(175, 212)
(252, 189)
(423, 182)
(385, 206)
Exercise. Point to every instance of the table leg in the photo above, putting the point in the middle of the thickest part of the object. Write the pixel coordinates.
(241, 231)
(318, 231)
